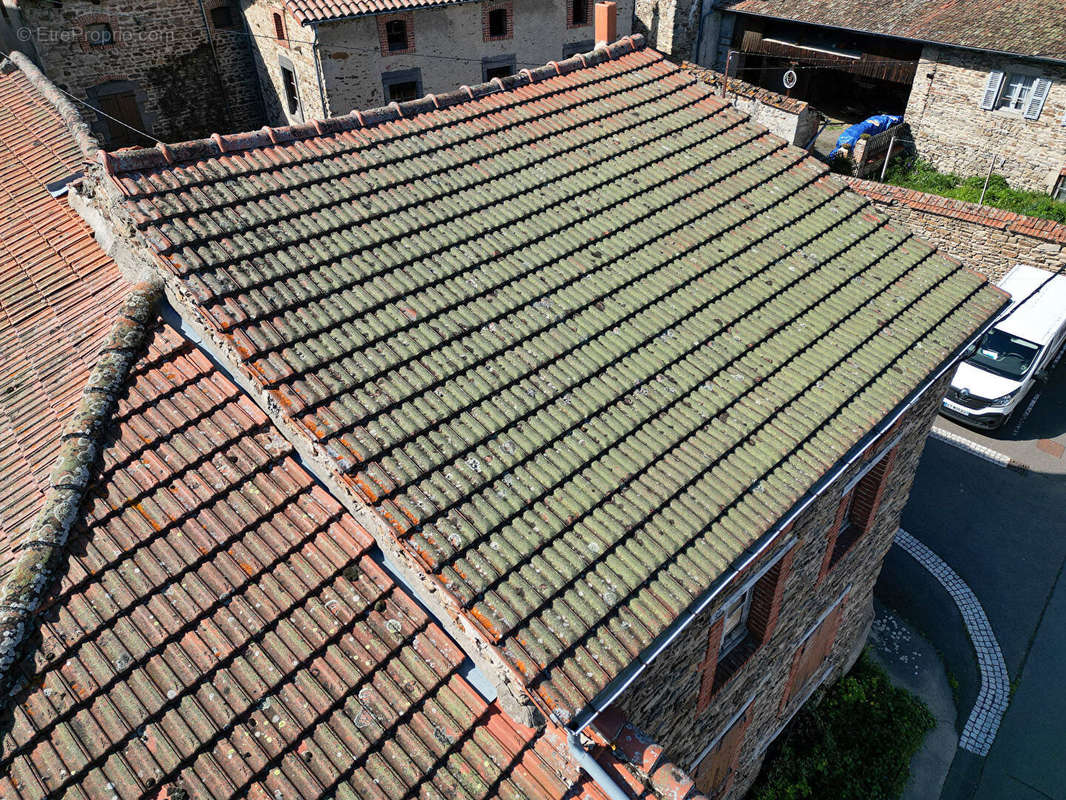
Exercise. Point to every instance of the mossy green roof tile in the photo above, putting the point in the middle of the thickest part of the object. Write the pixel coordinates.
(580, 341)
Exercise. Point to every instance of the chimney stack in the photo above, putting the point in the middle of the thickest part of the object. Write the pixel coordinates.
(606, 23)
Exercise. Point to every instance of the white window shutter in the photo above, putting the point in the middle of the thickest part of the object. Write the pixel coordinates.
(995, 81)
(1037, 98)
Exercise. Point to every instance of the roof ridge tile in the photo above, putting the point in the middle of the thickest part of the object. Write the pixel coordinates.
(31, 573)
(140, 159)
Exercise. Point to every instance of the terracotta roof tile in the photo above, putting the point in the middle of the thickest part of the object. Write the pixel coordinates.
(580, 342)
(220, 627)
(58, 297)
(314, 11)
(1022, 27)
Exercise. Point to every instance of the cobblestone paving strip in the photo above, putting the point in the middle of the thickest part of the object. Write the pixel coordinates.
(987, 453)
(983, 722)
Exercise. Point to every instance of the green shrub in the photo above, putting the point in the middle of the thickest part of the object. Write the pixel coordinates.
(856, 744)
(922, 177)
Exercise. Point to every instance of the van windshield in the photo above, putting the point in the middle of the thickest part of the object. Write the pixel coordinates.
(1005, 355)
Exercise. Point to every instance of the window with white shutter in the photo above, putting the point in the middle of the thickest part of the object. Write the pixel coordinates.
(1037, 96)
(995, 81)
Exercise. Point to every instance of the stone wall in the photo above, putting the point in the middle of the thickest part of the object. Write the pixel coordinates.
(663, 701)
(956, 135)
(986, 239)
(451, 47)
(793, 120)
(188, 80)
(671, 26)
(296, 52)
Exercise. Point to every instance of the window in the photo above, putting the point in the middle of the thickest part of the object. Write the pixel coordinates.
(811, 655)
(744, 622)
(401, 85)
(99, 34)
(497, 67)
(292, 97)
(579, 13)
(497, 23)
(857, 509)
(1060, 188)
(1016, 92)
(716, 765)
(279, 27)
(403, 91)
(223, 18)
(396, 34)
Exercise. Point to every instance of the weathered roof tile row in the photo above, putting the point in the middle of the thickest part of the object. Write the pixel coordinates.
(58, 296)
(579, 341)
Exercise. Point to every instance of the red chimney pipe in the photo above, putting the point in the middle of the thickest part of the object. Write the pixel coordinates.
(606, 23)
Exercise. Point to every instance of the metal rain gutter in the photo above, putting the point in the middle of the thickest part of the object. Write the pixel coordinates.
(626, 679)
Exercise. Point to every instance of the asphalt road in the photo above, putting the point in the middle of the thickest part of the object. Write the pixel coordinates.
(1003, 529)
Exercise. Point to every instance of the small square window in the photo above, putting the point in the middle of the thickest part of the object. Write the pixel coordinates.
(498, 23)
(223, 18)
(498, 72)
(1017, 90)
(1060, 189)
(396, 34)
(99, 34)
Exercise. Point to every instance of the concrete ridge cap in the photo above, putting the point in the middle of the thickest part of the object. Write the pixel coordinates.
(34, 569)
(70, 115)
(139, 159)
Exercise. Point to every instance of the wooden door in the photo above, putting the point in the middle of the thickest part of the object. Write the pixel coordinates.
(715, 769)
(122, 106)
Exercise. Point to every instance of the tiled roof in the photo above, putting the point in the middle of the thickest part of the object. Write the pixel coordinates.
(309, 11)
(1023, 27)
(58, 295)
(579, 342)
(219, 629)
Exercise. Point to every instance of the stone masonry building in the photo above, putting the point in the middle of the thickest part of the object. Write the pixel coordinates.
(165, 67)
(542, 438)
(317, 59)
(980, 84)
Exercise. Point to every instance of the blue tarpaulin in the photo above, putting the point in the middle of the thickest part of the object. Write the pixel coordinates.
(871, 125)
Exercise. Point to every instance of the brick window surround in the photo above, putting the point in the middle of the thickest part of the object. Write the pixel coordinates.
(82, 25)
(858, 505)
(813, 651)
(279, 27)
(408, 19)
(487, 9)
(715, 767)
(573, 7)
(721, 663)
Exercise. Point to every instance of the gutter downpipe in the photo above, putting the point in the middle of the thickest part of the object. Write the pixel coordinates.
(318, 71)
(593, 769)
(587, 717)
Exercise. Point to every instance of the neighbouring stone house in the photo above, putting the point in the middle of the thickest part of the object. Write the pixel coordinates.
(627, 392)
(165, 67)
(319, 58)
(974, 82)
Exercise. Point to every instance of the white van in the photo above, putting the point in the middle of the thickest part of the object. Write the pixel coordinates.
(1011, 357)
